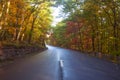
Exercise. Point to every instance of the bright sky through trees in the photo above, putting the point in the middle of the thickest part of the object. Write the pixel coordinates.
(56, 15)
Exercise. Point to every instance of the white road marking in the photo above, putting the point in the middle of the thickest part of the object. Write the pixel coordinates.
(61, 64)
(58, 57)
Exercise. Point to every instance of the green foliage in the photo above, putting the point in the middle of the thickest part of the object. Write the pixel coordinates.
(58, 34)
(97, 23)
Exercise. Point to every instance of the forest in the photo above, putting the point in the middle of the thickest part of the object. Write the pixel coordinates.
(21, 20)
(92, 26)
(23, 25)
(89, 26)
(59, 39)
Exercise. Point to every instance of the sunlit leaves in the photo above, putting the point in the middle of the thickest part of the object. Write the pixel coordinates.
(24, 20)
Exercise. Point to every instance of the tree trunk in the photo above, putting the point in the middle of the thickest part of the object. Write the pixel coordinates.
(31, 30)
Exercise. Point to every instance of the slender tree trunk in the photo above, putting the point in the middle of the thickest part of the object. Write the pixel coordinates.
(16, 27)
(31, 30)
(93, 39)
(114, 30)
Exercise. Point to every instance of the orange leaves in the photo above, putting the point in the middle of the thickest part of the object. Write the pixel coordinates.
(73, 27)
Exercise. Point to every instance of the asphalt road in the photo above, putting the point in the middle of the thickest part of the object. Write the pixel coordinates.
(60, 64)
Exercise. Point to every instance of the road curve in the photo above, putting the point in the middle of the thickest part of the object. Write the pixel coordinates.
(60, 64)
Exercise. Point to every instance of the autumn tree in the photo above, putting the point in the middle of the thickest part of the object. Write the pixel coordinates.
(93, 25)
(24, 20)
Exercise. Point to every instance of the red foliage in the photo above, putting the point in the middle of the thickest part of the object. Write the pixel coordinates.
(75, 41)
(73, 27)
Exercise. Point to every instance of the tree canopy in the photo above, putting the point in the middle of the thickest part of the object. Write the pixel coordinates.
(91, 26)
(24, 20)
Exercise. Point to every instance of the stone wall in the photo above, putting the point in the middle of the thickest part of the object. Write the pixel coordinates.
(10, 52)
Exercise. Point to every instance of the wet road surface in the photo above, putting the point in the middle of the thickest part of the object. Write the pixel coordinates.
(60, 64)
